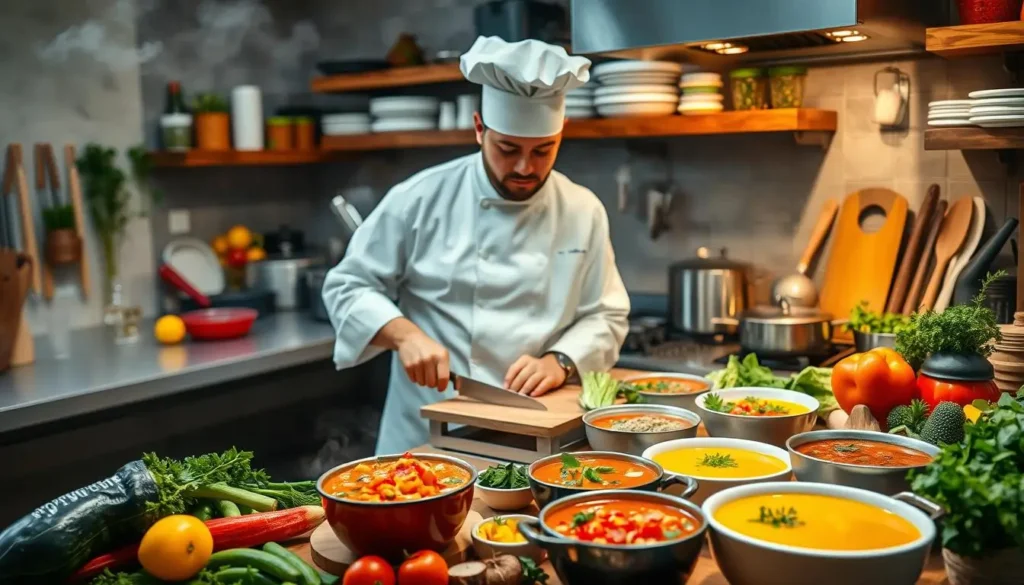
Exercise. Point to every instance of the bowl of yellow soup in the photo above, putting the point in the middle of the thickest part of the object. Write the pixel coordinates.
(720, 463)
(795, 533)
(768, 415)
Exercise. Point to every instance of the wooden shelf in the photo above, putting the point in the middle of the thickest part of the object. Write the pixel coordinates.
(788, 120)
(974, 138)
(385, 78)
(975, 39)
(231, 158)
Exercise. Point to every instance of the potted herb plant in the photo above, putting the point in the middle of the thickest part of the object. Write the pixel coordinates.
(109, 198)
(212, 122)
(63, 246)
(950, 351)
(980, 484)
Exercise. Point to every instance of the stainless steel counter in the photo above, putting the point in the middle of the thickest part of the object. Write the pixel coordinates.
(100, 374)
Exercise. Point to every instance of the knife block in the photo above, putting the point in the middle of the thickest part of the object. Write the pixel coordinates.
(15, 336)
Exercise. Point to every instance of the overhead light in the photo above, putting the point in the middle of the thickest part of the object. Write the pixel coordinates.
(838, 34)
(716, 46)
(732, 50)
(855, 38)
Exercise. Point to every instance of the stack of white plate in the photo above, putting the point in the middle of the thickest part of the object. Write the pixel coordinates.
(997, 108)
(950, 113)
(579, 102)
(344, 124)
(637, 88)
(702, 93)
(403, 113)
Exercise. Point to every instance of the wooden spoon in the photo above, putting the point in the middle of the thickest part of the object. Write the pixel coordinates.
(951, 238)
(927, 251)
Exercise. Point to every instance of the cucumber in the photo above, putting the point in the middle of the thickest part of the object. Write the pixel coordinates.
(257, 559)
(228, 509)
(245, 576)
(243, 509)
(327, 578)
(203, 511)
(309, 574)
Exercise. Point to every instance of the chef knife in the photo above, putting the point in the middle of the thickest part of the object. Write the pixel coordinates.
(494, 395)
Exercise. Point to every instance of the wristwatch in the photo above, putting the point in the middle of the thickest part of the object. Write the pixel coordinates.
(571, 374)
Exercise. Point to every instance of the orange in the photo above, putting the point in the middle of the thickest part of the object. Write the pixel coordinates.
(220, 245)
(256, 254)
(169, 329)
(176, 548)
(239, 237)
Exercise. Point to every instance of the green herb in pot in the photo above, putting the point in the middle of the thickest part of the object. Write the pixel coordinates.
(865, 320)
(510, 476)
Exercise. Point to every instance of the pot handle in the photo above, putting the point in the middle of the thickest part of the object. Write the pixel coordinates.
(684, 480)
(727, 321)
(530, 529)
(931, 508)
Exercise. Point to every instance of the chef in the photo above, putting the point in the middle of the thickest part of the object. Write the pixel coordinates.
(493, 265)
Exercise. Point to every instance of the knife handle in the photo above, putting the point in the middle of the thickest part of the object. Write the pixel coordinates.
(51, 166)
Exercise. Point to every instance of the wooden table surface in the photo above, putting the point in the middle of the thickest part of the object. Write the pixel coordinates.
(705, 573)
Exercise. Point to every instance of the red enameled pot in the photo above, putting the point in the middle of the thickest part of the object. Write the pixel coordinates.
(394, 529)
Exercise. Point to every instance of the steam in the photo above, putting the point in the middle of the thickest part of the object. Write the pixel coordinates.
(95, 39)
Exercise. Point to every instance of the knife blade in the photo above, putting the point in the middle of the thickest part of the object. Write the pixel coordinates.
(494, 395)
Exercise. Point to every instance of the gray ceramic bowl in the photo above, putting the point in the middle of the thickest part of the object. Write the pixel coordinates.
(774, 430)
(884, 480)
(634, 443)
(585, 563)
(678, 400)
(745, 560)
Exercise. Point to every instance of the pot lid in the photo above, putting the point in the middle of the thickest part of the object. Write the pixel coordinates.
(705, 261)
(958, 367)
(785, 315)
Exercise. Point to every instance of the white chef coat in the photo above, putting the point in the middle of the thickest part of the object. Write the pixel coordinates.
(488, 279)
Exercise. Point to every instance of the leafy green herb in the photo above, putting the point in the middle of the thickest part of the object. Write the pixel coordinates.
(846, 448)
(209, 103)
(969, 329)
(570, 461)
(532, 574)
(604, 469)
(581, 518)
(980, 482)
(779, 518)
(451, 481)
(594, 474)
(715, 403)
(865, 320)
(205, 577)
(508, 476)
(718, 460)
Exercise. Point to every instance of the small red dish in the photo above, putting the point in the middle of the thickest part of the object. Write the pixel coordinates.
(225, 323)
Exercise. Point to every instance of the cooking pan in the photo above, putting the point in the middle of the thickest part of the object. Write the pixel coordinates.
(784, 331)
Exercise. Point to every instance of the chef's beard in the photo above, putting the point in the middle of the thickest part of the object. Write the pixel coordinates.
(510, 191)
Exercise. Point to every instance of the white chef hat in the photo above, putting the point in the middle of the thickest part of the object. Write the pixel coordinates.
(524, 84)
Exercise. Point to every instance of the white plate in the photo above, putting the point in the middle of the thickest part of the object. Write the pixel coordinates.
(948, 116)
(580, 113)
(694, 109)
(1005, 121)
(639, 78)
(949, 103)
(1006, 92)
(940, 123)
(632, 66)
(196, 261)
(403, 124)
(346, 129)
(950, 111)
(636, 98)
(358, 117)
(999, 101)
(403, 106)
(644, 109)
(1016, 124)
(636, 89)
(581, 91)
(701, 97)
(996, 110)
(578, 102)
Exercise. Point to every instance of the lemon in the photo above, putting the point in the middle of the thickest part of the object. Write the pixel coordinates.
(169, 329)
(239, 237)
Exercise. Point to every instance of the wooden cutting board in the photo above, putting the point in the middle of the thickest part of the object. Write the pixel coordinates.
(861, 264)
(334, 557)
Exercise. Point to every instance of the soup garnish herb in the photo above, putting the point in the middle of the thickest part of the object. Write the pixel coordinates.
(718, 460)
(780, 518)
(573, 472)
(845, 448)
(748, 406)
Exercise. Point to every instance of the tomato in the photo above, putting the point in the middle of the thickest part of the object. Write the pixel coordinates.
(423, 568)
(176, 548)
(237, 258)
(369, 570)
(934, 391)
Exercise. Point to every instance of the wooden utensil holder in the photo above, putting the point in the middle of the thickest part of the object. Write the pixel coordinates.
(14, 331)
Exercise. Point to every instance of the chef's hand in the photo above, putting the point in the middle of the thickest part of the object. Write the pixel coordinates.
(535, 376)
(425, 361)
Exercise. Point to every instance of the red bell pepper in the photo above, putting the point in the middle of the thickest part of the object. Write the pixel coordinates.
(879, 379)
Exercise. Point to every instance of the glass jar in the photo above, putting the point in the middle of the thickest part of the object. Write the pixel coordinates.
(749, 89)
(787, 86)
(280, 133)
(176, 131)
(305, 134)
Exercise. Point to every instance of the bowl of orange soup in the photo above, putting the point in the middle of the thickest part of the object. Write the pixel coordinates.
(868, 460)
(796, 533)
(619, 536)
(669, 388)
(768, 415)
(720, 463)
(631, 428)
(390, 504)
(565, 474)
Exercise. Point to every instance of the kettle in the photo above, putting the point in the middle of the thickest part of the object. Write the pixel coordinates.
(968, 284)
(704, 290)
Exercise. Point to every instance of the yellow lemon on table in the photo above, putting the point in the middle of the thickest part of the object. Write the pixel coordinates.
(176, 548)
(169, 329)
(239, 237)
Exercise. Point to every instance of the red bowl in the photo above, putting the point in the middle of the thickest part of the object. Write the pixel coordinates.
(392, 530)
(225, 323)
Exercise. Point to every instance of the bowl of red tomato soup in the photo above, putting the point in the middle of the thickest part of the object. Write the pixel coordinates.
(565, 474)
(868, 460)
(619, 536)
(669, 388)
(392, 504)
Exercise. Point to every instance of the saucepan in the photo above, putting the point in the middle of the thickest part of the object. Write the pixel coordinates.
(784, 331)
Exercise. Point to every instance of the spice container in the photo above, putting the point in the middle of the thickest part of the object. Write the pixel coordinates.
(280, 133)
(305, 133)
(787, 86)
(749, 89)
(176, 131)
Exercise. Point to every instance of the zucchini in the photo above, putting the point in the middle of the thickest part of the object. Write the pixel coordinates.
(203, 511)
(227, 509)
(257, 559)
(309, 574)
(244, 510)
(245, 576)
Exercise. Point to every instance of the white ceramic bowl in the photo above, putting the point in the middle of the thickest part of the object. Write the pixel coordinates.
(708, 486)
(744, 560)
(505, 499)
(774, 430)
(486, 549)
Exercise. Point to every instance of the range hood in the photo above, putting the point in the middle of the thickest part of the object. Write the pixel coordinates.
(721, 32)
